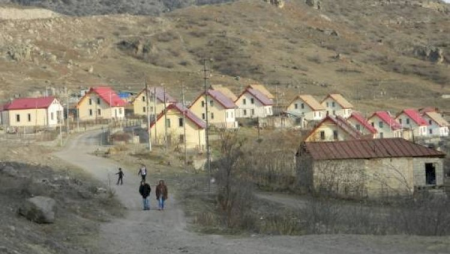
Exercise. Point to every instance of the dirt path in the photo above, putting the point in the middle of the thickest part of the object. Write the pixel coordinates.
(165, 232)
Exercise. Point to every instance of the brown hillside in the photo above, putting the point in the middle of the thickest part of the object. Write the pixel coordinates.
(381, 55)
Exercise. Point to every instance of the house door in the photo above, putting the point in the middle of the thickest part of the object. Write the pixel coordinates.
(430, 174)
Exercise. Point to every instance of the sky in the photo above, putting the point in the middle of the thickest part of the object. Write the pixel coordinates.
(447, 1)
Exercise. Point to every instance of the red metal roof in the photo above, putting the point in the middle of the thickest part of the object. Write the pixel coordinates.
(415, 116)
(29, 103)
(363, 121)
(259, 96)
(386, 118)
(367, 149)
(108, 95)
(183, 110)
(222, 99)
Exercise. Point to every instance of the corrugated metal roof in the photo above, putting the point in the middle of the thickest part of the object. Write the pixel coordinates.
(367, 149)
(226, 91)
(437, 118)
(309, 100)
(29, 103)
(108, 95)
(260, 97)
(183, 110)
(339, 99)
(222, 99)
(415, 116)
(363, 121)
(387, 119)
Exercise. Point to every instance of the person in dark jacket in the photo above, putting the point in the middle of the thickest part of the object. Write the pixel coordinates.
(161, 194)
(121, 174)
(145, 190)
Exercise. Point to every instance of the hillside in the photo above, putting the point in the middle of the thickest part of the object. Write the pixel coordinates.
(380, 54)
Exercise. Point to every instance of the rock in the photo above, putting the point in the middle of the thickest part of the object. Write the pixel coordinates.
(316, 4)
(39, 209)
(91, 69)
(277, 3)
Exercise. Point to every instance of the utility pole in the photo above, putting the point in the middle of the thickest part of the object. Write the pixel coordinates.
(149, 132)
(165, 118)
(67, 112)
(208, 154)
(184, 127)
(154, 113)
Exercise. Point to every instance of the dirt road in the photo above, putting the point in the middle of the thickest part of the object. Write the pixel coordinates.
(165, 232)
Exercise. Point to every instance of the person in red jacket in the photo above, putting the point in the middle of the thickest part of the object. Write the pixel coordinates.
(161, 194)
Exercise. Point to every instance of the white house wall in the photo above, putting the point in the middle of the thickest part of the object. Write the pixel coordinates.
(383, 129)
(334, 108)
(251, 110)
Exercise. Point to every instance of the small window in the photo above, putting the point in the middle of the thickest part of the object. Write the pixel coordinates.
(90, 112)
(203, 104)
(334, 112)
(244, 101)
(211, 103)
(381, 135)
(327, 104)
(322, 135)
(400, 121)
(168, 123)
(18, 118)
(373, 124)
(212, 115)
(181, 138)
(180, 122)
(358, 127)
(253, 112)
(303, 106)
(252, 101)
(90, 101)
(430, 131)
(203, 116)
(296, 106)
(335, 134)
(380, 124)
(143, 98)
(99, 112)
(120, 111)
(407, 121)
(430, 122)
(333, 104)
(29, 117)
(98, 101)
(245, 112)
(143, 109)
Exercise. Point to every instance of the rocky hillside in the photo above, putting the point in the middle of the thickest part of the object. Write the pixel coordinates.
(102, 7)
(380, 54)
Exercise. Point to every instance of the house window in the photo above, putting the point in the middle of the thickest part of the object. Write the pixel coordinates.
(143, 98)
(407, 121)
(358, 127)
(335, 134)
(334, 112)
(18, 118)
(373, 124)
(296, 106)
(90, 101)
(381, 135)
(52, 116)
(244, 101)
(181, 138)
(430, 122)
(90, 112)
(168, 123)
(203, 104)
(303, 106)
(245, 112)
(143, 109)
(211, 103)
(232, 114)
(333, 104)
(99, 112)
(180, 122)
(212, 115)
(327, 104)
(203, 116)
(322, 135)
(252, 101)
(98, 101)
(380, 124)
(430, 131)
(430, 174)
(29, 117)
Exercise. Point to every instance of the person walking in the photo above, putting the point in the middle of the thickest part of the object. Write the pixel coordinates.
(145, 190)
(121, 174)
(161, 194)
(143, 172)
